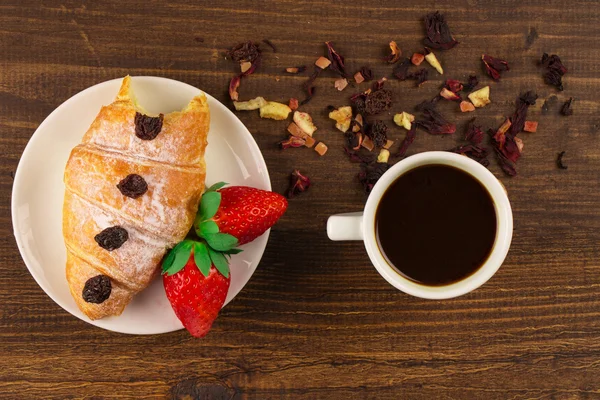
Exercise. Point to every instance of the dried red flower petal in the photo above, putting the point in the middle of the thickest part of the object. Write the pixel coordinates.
(377, 102)
(453, 85)
(435, 123)
(308, 88)
(474, 152)
(234, 84)
(354, 139)
(494, 66)
(298, 183)
(296, 70)
(428, 104)
(559, 160)
(508, 167)
(401, 70)
(359, 156)
(366, 73)
(500, 135)
(518, 118)
(471, 84)
(377, 132)
(407, 141)
(567, 108)
(474, 133)
(420, 76)
(246, 51)
(370, 174)
(555, 72)
(395, 53)
(292, 141)
(438, 32)
(337, 61)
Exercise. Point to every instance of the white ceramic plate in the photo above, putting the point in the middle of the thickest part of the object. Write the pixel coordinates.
(232, 156)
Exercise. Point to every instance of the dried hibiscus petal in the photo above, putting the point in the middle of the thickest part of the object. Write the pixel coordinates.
(518, 118)
(308, 85)
(567, 108)
(298, 183)
(377, 132)
(359, 156)
(401, 70)
(453, 85)
(420, 76)
(471, 84)
(474, 152)
(292, 141)
(406, 142)
(395, 53)
(370, 174)
(366, 73)
(435, 123)
(438, 32)
(337, 61)
(474, 133)
(494, 66)
(508, 167)
(555, 72)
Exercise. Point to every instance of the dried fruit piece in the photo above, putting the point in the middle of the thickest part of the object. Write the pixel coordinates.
(481, 97)
(384, 156)
(322, 62)
(295, 70)
(435, 123)
(417, 58)
(309, 141)
(343, 117)
(292, 141)
(245, 66)
(133, 186)
(378, 101)
(253, 104)
(438, 32)
(112, 238)
(274, 110)
(388, 144)
(433, 61)
(377, 132)
(147, 127)
(358, 123)
(295, 130)
(567, 108)
(466, 106)
(293, 104)
(500, 135)
(404, 119)
(354, 140)
(449, 95)
(97, 289)
(304, 122)
(555, 72)
(340, 84)
(396, 53)
(474, 133)
(358, 77)
(520, 144)
(494, 66)
(559, 160)
(321, 148)
(368, 144)
(298, 184)
(530, 126)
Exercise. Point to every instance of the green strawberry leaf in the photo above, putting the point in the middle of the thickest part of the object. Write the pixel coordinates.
(168, 260)
(219, 261)
(202, 258)
(209, 205)
(216, 186)
(232, 251)
(182, 255)
(207, 228)
(221, 241)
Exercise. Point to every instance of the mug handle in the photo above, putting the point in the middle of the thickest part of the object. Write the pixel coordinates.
(346, 226)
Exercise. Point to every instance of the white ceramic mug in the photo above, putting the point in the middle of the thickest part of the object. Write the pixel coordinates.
(361, 225)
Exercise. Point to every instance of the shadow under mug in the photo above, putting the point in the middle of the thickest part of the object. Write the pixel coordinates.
(361, 226)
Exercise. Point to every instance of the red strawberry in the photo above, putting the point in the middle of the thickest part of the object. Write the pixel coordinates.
(246, 212)
(196, 299)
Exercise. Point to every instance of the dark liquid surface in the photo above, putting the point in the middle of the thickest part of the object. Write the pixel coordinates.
(436, 225)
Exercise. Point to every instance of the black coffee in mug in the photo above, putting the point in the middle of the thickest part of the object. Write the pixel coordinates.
(436, 224)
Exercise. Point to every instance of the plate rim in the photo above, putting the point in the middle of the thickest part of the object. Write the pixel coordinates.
(254, 148)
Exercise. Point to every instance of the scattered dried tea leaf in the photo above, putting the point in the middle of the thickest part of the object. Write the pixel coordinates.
(466, 106)
(298, 183)
(274, 110)
(435, 123)
(549, 103)
(420, 76)
(530, 126)
(404, 119)
(368, 144)
(567, 108)
(449, 95)
(433, 61)
(438, 32)
(292, 141)
(384, 156)
(337, 61)
(340, 84)
(494, 66)
(379, 84)
(342, 117)
(401, 70)
(358, 77)
(531, 37)
(321, 148)
(417, 58)
(308, 87)
(296, 70)
(322, 62)
(481, 97)
(370, 174)
(453, 85)
(246, 51)
(293, 104)
(555, 70)
(474, 152)
(304, 122)
(366, 73)
(474, 133)
(518, 118)
(471, 84)
(559, 160)
(377, 132)
(406, 142)
(249, 105)
(395, 53)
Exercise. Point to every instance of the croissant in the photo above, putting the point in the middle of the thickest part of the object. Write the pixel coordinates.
(132, 188)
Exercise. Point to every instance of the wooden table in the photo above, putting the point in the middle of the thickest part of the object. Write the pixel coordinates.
(316, 321)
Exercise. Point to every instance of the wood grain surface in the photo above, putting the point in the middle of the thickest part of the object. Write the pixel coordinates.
(316, 321)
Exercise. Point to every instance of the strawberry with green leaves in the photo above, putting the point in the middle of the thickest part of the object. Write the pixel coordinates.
(196, 272)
